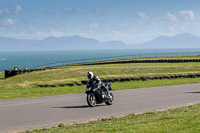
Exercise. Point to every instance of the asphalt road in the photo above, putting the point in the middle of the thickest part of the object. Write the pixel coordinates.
(31, 113)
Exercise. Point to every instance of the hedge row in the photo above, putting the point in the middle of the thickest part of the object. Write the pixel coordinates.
(65, 84)
(146, 61)
(10, 73)
(142, 78)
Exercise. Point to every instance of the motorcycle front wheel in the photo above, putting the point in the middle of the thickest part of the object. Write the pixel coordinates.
(110, 102)
(91, 100)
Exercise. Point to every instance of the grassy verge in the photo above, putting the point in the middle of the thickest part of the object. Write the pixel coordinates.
(179, 120)
(26, 85)
(73, 74)
(139, 59)
(2, 75)
(172, 57)
(13, 93)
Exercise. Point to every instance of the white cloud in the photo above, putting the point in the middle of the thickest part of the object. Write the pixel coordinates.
(92, 26)
(198, 18)
(68, 9)
(171, 17)
(43, 34)
(7, 22)
(189, 15)
(99, 12)
(117, 33)
(14, 10)
(17, 9)
(107, 27)
(141, 15)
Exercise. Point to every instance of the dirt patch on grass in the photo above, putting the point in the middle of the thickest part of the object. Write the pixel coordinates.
(24, 85)
(81, 71)
(64, 80)
(55, 82)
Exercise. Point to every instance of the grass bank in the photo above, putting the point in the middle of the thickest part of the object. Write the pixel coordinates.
(179, 120)
(2, 75)
(13, 93)
(26, 85)
(172, 57)
(72, 74)
(136, 59)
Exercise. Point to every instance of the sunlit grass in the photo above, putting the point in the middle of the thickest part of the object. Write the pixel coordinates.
(2, 76)
(26, 85)
(74, 74)
(179, 120)
(13, 93)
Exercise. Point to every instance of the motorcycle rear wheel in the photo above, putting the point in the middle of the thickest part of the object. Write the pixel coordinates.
(91, 100)
(110, 102)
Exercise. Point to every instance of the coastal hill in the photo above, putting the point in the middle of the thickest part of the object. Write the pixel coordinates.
(184, 40)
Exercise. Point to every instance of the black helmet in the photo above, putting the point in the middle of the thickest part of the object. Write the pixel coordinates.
(90, 75)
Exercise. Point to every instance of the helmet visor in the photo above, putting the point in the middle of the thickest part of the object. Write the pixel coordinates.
(89, 76)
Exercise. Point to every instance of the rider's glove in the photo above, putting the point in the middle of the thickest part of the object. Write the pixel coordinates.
(96, 89)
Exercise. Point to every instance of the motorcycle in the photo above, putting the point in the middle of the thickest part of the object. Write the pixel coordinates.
(97, 95)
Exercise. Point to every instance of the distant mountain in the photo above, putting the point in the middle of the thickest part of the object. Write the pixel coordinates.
(11, 44)
(61, 43)
(185, 40)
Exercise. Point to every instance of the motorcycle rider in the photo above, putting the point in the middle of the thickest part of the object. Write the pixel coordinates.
(96, 80)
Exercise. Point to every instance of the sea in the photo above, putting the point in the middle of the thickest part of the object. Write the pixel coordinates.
(31, 59)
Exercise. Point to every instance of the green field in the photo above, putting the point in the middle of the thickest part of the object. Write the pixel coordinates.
(78, 73)
(179, 120)
(26, 85)
(182, 120)
(13, 93)
(139, 59)
(172, 57)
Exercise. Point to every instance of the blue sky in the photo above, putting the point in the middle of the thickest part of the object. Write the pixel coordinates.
(130, 21)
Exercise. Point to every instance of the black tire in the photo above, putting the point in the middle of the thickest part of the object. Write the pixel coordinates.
(91, 100)
(110, 102)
